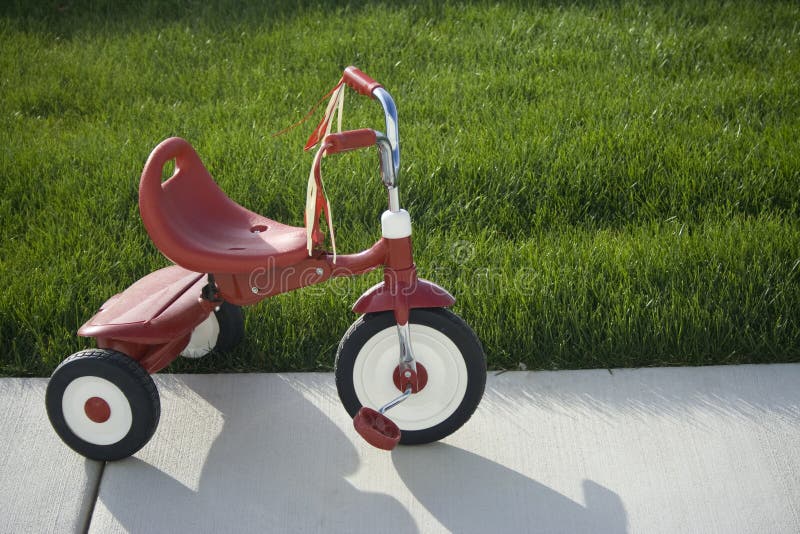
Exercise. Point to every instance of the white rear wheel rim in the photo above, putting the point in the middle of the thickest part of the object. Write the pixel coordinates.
(447, 377)
(204, 338)
(73, 404)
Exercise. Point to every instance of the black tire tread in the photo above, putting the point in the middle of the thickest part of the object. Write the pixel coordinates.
(123, 361)
(131, 368)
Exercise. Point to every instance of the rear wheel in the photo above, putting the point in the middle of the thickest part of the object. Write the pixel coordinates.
(221, 332)
(443, 344)
(103, 404)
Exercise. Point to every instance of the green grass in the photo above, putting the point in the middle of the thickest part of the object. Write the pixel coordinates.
(599, 184)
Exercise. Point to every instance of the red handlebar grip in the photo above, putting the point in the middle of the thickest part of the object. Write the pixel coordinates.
(360, 82)
(350, 140)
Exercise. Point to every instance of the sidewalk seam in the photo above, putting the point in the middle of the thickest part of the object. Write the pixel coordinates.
(95, 496)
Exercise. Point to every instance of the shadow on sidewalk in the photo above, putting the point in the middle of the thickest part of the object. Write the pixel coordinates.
(257, 454)
(277, 463)
(469, 493)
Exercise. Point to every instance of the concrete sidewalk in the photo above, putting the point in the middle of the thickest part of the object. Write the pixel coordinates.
(713, 449)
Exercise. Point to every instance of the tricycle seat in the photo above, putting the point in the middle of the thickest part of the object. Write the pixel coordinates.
(193, 222)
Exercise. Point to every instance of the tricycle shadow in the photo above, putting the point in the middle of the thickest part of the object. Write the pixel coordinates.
(279, 464)
(469, 493)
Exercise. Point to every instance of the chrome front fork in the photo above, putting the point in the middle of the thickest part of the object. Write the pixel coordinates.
(408, 367)
(389, 148)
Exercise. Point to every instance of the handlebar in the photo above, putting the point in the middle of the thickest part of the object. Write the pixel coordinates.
(392, 134)
(360, 82)
(390, 142)
(349, 140)
(365, 85)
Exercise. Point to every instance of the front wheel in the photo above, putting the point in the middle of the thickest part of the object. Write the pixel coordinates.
(446, 347)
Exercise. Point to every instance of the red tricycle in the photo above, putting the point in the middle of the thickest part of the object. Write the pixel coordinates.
(407, 352)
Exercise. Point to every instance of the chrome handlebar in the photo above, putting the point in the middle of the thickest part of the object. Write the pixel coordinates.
(392, 137)
(389, 147)
(388, 143)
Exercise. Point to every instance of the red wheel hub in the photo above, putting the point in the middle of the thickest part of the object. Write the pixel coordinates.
(97, 410)
(400, 381)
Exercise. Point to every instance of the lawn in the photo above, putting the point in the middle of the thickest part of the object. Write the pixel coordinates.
(600, 184)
